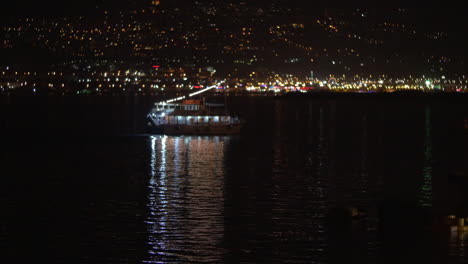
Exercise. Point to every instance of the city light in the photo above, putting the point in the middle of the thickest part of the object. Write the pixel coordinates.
(113, 54)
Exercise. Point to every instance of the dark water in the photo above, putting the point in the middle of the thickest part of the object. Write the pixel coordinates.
(82, 183)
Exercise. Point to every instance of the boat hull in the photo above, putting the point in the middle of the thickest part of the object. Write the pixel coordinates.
(197, 130)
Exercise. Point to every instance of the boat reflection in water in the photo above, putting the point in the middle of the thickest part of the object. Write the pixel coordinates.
(425, 194)
(185, 221)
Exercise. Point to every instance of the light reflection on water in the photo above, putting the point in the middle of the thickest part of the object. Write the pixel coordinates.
(263, 197)
(220, 200)
(186, 203)
(425, 195)
(458, 246)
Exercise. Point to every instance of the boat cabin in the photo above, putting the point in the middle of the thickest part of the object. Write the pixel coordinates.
(190, 112)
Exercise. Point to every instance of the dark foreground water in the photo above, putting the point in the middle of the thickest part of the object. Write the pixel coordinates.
(82, 183)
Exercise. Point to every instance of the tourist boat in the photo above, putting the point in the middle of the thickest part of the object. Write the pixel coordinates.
(185, 116)
(192, 117)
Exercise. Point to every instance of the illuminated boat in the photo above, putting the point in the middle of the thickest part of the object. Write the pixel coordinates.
(192, 117)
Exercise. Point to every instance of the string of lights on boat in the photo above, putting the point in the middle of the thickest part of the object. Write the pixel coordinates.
(192, 94)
